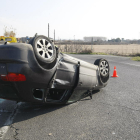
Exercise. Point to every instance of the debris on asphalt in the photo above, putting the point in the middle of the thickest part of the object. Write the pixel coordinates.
(50, 134)
(113, 133)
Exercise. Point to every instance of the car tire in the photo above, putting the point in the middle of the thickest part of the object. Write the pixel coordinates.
(44, 50)
(103, 67)
(103, 70)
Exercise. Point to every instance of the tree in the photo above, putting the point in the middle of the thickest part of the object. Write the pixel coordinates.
(118, 40)
(8, 32)
(12, 33)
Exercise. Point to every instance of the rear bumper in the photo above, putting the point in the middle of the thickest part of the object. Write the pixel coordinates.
(8, 91)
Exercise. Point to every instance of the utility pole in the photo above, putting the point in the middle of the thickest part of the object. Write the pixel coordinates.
(48, 30)
(74, 40)
(54, 36)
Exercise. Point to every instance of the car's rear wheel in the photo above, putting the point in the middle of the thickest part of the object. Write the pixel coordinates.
(104, 70)
(44, 50)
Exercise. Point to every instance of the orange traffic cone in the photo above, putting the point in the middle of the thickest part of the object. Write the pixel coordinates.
(115, 72)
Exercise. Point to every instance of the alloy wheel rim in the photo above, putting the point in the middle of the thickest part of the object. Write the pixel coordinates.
(104, 68)
(44, 49)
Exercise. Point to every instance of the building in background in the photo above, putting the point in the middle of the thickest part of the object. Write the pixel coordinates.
(24, 39)
(94, 38)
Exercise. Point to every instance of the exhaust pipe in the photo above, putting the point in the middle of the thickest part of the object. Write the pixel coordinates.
(38, 94)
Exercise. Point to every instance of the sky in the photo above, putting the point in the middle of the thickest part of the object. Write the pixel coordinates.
(72, 19)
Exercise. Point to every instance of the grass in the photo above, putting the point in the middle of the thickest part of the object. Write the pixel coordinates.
(137, 58)
(98, 53)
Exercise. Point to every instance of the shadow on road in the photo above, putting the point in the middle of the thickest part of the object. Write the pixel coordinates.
(30, 110)
(27, 111)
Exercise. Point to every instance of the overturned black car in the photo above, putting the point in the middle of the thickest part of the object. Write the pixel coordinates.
(37, 72)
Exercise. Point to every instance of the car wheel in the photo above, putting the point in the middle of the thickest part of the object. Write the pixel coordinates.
(44, 50)
(103, 67)
(104, 70)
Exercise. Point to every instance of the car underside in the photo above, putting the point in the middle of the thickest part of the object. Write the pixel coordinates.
(38, 72)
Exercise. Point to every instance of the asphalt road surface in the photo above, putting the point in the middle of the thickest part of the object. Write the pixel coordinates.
(112, 114)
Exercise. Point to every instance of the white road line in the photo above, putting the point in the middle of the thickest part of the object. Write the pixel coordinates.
(4, 129)
(126, 63)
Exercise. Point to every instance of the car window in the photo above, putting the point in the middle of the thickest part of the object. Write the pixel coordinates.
(8, 39)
